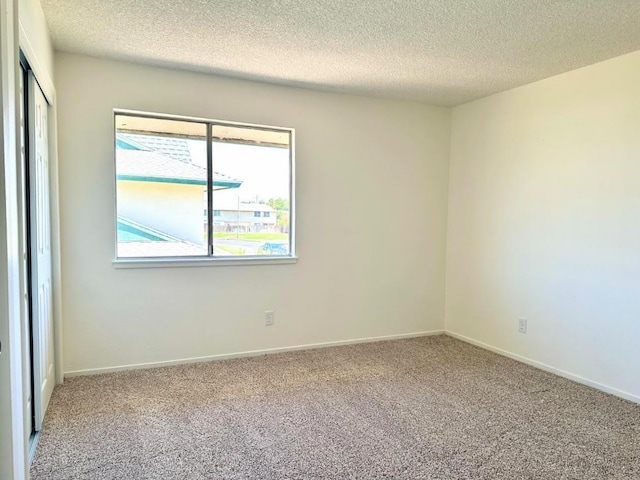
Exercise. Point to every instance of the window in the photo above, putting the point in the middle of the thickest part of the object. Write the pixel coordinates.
(169, 170)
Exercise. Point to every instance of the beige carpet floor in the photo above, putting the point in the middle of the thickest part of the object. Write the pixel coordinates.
(424, 408)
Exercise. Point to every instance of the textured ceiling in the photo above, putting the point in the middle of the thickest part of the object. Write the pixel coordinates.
(444, 52)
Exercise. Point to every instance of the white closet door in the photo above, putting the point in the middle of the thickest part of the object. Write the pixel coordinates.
(43, 365)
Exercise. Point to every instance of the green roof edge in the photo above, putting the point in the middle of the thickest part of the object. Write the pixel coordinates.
(183, 181)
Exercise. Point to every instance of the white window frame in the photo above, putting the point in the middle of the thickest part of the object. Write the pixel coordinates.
(209, 259)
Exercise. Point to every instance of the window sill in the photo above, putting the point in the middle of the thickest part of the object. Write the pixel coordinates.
(199, 262)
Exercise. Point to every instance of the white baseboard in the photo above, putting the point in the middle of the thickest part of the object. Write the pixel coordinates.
(547, 368)
(253, 353)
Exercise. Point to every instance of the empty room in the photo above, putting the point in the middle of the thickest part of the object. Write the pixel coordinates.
(330, 239)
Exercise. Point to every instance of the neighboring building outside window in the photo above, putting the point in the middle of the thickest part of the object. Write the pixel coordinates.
(168, 174)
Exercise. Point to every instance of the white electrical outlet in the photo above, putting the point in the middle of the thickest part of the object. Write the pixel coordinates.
(522, 325)
(268, 318)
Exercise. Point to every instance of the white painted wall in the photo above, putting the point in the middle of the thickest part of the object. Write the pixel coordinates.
(544, 222)
(358, 159)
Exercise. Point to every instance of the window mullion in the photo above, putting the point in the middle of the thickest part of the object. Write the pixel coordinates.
(209, 189)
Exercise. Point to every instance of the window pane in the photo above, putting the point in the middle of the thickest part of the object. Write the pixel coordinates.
(161, 182)
(254, 217)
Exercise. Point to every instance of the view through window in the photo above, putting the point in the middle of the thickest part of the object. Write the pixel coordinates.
(201, 188)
